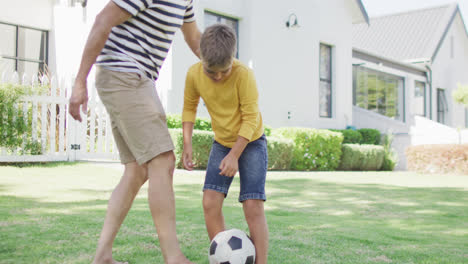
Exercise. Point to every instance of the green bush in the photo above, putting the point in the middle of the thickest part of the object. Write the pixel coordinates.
(390, 156)
(267, 130)
(361, 157)
(201, 123)
(370, 136)
(314, 149)
(15, 124)
(280, 153)
(201, 146)
(350, 136)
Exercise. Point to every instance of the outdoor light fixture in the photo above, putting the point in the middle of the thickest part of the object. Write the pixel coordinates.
(292, 21)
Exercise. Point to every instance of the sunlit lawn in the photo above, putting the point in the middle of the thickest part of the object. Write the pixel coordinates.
(54, 213)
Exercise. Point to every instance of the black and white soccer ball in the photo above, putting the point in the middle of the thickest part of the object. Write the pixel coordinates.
(232, 247)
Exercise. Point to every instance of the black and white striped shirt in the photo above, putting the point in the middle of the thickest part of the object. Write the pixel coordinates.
(141, 43)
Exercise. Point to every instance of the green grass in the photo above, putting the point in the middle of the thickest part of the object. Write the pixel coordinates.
(54, 213)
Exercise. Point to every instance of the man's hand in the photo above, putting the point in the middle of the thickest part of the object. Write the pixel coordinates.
(187, 157)
(229, 165)
(78, 98)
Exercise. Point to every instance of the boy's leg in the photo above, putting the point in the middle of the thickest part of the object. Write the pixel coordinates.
(162, 205)
(119, 204)
(212, 208)
(256, 220)
(253, 165)
(215, 190)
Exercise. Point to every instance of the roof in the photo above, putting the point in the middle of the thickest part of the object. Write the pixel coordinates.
(408, 36)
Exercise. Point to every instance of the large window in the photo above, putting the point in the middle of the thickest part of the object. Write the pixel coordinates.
(23, 49)
(419, 103)
(214, 18)
(442, 106)
(379, 92)
(325, 86)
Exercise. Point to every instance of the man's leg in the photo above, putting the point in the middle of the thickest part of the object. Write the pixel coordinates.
(213, 210)
(255, 216)
(119, 204)
(162, 205)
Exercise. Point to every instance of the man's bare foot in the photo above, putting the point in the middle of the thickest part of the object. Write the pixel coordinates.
(107, 261)
(179, 260)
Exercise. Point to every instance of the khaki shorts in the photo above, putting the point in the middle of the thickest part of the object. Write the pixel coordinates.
(137, 116)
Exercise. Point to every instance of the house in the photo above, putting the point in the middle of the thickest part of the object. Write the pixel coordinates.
(405, 68)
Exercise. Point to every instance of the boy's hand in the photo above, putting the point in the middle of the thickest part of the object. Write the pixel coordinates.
(229, 165)
(187, 157)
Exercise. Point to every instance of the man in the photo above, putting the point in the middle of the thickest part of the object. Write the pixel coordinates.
(129, 42)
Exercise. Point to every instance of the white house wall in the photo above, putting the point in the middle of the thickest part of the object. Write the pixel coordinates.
(285, 61)
(450, 70)
(37, 13)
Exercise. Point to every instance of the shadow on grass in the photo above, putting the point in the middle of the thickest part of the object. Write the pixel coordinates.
(309, 222)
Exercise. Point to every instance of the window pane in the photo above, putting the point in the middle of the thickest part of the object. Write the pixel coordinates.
(31, 44)
(7, 66)
(419, 98)
(8, 40)
(325, 62)
(379, 92)
(28, 68)
(325, 99)
(441, 106)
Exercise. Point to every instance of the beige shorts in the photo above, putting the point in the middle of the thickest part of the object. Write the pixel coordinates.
(137, 116)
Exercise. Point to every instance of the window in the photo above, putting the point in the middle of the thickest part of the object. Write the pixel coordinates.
(379, 92)
(23, 49)
(442, 106)
(212, 18)
(419, 103)
(325, 86)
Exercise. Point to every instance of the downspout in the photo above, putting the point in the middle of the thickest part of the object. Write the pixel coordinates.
(429, 80)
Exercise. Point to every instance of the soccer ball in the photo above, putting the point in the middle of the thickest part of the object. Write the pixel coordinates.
(231, 247)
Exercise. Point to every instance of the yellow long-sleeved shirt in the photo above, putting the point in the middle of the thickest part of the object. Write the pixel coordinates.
(232, 103)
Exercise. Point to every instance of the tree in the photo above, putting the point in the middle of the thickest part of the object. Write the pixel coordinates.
(461, 95)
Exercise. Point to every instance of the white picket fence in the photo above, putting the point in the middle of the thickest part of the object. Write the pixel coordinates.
(61, 137)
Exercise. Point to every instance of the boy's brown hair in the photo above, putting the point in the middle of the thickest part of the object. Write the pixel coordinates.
(218, 45)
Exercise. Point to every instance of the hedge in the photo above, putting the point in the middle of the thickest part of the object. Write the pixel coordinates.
(445, 158)
(350, 136)
(280, 153)
(201, 146)
(361, 157)
(370, 136)
(314, 149)
(201, 123)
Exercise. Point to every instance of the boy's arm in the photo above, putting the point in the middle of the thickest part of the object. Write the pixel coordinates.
(230, 164)
(187, 130)
(248, 96)
(189, 112)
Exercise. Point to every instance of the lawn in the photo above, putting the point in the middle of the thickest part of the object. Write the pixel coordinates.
(54, 213)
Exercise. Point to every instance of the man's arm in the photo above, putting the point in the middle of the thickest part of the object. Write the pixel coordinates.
(192, 36)
(109, 17)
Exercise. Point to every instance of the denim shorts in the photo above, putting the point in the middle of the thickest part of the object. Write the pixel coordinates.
(253, 164)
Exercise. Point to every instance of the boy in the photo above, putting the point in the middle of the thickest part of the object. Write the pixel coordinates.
(230, 94)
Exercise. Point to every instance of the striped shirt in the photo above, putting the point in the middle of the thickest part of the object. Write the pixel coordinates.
(141, 43)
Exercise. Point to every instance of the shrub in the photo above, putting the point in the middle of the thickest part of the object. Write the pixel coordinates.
(390, 156)
(438, 158)
(370, 136)
(280, 153)
(267, 130)
(201, 146)
(314, 149)
(350, 136)
(362, 157)
(15, 124)
(201, 123)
